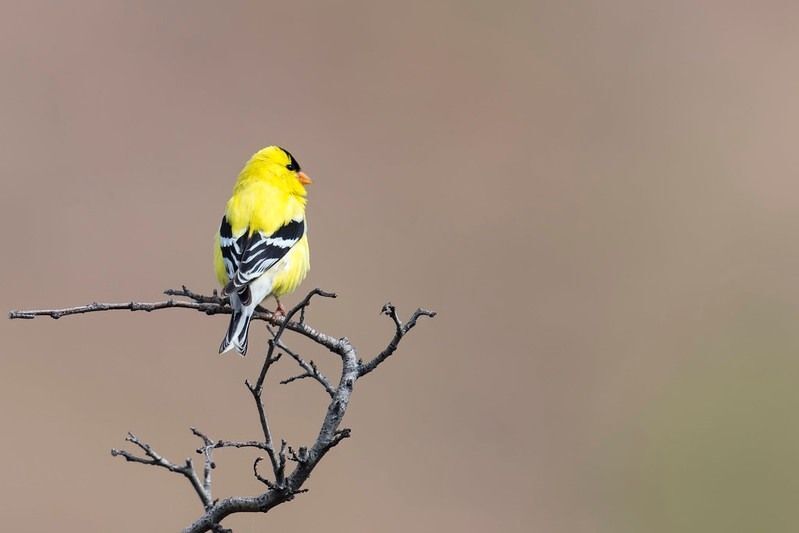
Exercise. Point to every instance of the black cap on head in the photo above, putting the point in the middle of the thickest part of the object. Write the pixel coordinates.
(293, 165)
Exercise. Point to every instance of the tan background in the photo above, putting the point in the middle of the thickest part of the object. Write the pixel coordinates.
(600, 199)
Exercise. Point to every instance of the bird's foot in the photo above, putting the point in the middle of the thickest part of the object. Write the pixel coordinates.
(280, 311)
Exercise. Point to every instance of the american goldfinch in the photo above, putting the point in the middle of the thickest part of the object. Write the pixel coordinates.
(262, 245)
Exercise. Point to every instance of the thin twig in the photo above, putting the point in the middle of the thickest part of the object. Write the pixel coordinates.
(208, 308)
(400, 331)
(208, 463)
(256, 391)
(240, 444)
(259, 477)
(311, 371)
(197, 297)
(155, 459)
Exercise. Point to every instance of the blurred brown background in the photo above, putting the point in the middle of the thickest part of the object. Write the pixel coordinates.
(600, 199)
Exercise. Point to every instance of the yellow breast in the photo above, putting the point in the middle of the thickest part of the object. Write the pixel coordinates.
(293, 272)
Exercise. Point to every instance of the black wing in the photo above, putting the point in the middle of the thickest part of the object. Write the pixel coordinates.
(248, 257)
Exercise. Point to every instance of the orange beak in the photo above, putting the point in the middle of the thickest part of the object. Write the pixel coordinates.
(303, 177)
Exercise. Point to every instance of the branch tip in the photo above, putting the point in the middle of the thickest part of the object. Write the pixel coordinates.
(259, 477)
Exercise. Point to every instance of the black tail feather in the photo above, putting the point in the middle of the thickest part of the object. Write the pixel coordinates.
(237, 332)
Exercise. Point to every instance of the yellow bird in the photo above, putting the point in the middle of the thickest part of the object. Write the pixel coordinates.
(262, 245)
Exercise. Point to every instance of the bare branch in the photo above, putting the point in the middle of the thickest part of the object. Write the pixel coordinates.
(155, 459)
(340, 435)
(210, 305)
(208, 463)
(240, 444)
(197, 297)
(305, 459)
(281, 461)
(400, 331)
(329, 436)
(208, 308)
(256, 391)
(311, 371)
(259, 477)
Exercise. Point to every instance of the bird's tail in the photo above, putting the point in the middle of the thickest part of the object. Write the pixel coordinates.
(236, 337)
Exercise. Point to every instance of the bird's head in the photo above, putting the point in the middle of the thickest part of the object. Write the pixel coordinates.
(277, 165)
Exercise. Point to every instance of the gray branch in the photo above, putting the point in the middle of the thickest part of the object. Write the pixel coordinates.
(239, 444)
(329, 436)
(256, 391)
(210, 305)
(153, 458)
(400, 331)
(311, 371)
(207, 450)
(285, 487)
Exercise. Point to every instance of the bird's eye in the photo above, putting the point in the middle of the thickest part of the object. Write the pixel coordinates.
(293, 165)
